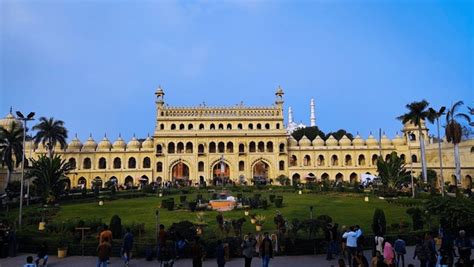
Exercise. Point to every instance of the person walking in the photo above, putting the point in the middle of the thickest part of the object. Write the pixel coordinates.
(220, 254)
(351, 243)
(197, 252)
(266, 250)
(378, 243)
(431, 248)
(400, 250)
(104, 250)
(388, 254)
(127, 246)
(248, 249)
(106, 234)
(42, 254)
(421, 252)
(162, 236)
(447, 248)
(329, 237)
(464, 245)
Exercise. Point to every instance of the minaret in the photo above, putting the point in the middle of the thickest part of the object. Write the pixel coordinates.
(313, 116)
(290, 115)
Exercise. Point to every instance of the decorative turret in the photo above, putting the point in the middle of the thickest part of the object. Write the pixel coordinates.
(318, 141)
(331, 141)
(148, 143)
(313, 116)
(412, 133)
(398, 140)
(358, 141)
(104, 145)
(385, 141)
(371, 141)
(75, 144)
(90, 144)
(119, 144)
(6, 122)
(279, 96)
(345, 141)
(134, 144)
(304, 141)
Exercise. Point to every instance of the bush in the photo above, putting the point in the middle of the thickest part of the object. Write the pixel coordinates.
(264, 204)
(116, 227)
(279, 201)
(271, 198)
(457, 213)
(182, 199)
(170, 204)
(379, 223)
(417, 218)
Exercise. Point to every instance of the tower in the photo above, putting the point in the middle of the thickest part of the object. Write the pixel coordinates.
(313, 116)
(290, 116)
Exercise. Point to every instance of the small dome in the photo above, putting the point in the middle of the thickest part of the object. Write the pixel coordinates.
(104, 145)
(119, 144)
(385, 141)
(6, 122)
(134, 144)
(75, 144)
(292, 141)
(358, 141)
(90, 144)
(57, 147)
(318, 141)
(331, 141)
(304, 141)
(148, 143)
(371, 141)
(398, 140)
(345, 141)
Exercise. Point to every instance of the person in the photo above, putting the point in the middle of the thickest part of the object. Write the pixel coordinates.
(329, 236)
(166, 256)
(197, 252)
(464, 246)
(421, 252)
(42, 254)
(360, 240)
(127, 246)
(220, 254)
(388, 253)
(104, 250)
(162, 236)
(378, 243)
(360, 260)
(400, 250)
(106, 233)
(181, 244)
(248, 249)
(266, 250)
(376, 258)
(351, 243)
(431, 246)
(447, 248)
(29, 262)
(220, 222)
(341, 263)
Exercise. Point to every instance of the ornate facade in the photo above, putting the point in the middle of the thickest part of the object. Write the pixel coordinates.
(240, 143)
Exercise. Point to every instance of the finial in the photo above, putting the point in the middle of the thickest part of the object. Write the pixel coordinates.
(370, 132)
(90, 135)
(105, 135)
(11, 110)
(120, 135)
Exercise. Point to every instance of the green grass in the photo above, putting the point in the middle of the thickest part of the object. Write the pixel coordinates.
(345, 209)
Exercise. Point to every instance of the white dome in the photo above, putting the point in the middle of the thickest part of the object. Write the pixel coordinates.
(371, 141)
(385, 141)
(148, 143)
(119, 144)
(292, 141)
(6, 122)
(398, 140)
(331, 141)
(345, 141)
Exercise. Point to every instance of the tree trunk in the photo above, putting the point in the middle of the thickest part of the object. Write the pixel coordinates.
(440, 161)
(457, 164)
(423, 156)
(9, 176)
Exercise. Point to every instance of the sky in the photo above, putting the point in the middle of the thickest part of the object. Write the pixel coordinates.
(96, 64)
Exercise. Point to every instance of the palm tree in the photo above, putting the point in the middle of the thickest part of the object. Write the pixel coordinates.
(49, 176)
(11, 145)
(392, 171)
(50, 132)
(435, 115)
(417, 113)
(454, 134)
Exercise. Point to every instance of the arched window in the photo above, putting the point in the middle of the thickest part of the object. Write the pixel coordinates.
(171, 149)
(102, 163)
(72, 162)
(82, 181)
(221, 126)
(412, 137)
(212, 147)
(159, 166)
(241, 148)
(117, 163)
(334, 160)
(229, 126)
(190, 126)
(200, 166)
(361, 160)
(162, 126)
(259, 126)
(282, 148)
(321, 161)
(374, 159)
(173, 126)
(146, 163)
(132, 163)
(472, 149)
(159, 149)
(252, 147)
(402, 157)
(293, 161)
(267, 126)
(281, 165)
(201, 126)
(213, 126)
(221, 147)
(251, 126)
(230, 147)
(181, 126)
(241, 166)
(189, 147)
(348, 160)
(270, 147)
(239, 126)
(200, 149)
(278, 126)
(414, 158)
(261, 146)
(87, 163)
(180, 147)
(307, 160)
(387, 157)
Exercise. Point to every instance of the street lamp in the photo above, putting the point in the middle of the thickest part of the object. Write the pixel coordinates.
(22, 118)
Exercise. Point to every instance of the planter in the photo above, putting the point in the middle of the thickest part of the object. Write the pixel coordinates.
(41, 226)
(300, 192)
(62, 252)
(246, 213)
(258, 228)
(253, 220)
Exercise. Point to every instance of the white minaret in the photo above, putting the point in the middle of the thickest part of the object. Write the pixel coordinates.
(313, 116)
(290, 116)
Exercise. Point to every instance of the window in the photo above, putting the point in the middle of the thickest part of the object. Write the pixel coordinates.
(180, 148)
(374, 159)
(281, 165)
(212, 147)
(241, 166)
(221, 147)
(189, 147)
(293, 161)
(321, 161)
(334, 160)
(414, 158)
(72, 162)
(171, 149)
(402, 157)
(201, 149)
(270, 147)
(229, 126)
(132, 163)
(159, 149)
(146, 163)
(87, 163)
(250, 126)
(361, 160)
(348, 160)
(102, 163)
(307, 160)
(117, 163)
(213, 126)
(230, 147)
(201, 126)
(282, 148)
(181, 126)
(278, 126)
(190, 126)
(267, 126)
(252, 147)
(261, 147)
(173, 126)
(162, 126)
(201, 166)
(159, 166)
(239, 126)
(221, 126)
(259, 126)
(241, 148)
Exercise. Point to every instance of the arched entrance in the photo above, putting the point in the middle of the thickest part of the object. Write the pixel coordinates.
(325, 177)
(220, 173)
(353, 178)
(339, 178)
(295, 179)
(260, 172)
(467, 183)
(82, 182)
(143, 180)
(128, 182)
(180, 173)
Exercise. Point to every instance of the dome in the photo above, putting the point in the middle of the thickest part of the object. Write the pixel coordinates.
(331, 141)
(398, 140)
(90, 144)
(371, 141)
(345, 141)
(104, 145)
(148, 143)
(134, 144)
(304, 141)
(57, 147)
(385, 141)
(292, 141)
(75, 144)
(318, 141)
(358, 141)
(6, 122)
(119, 144)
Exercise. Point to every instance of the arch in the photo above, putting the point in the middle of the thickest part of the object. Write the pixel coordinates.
(212, 126)
(82, 181)
(128, 182)
(240, 126)
(173, 126)
(102, 163)
(252, 147)
(162, 126)
(98, 182)
(261, 146)
(241, 166)
(212, 147)
(270, 146)
(241, 148)
(146, 163)
(181, 126)
(220, 171)
(159, 179)
(281, 165)
(339, 177)
(361, 160)
(87, 163)
(200, 149)
(353, 178)
(230, 147)
(201, 126)
(334, 160)
(190, 126)
(278, 126)
(412, 137)
(293, 161)
(229, 126)
(387, 157)
(402, 157)
(180, 171)
(200, 166)
(250, 126)
(171, 148)
(467, 181)
(282, 148)
(189, 147)
(180, 148)
(221, 126)
(325, 177)
(132, 163)
(221, 147)
(295, 179)
(307, 160)
(159, 166)
(472, 149)
(321, 161)
(374, 159)
(260, 170)
(144, 180)
(71, 161)
(259, 126)
(414, 158)
(267, 126)
(348, 160)
(117, 163)
(159, 149)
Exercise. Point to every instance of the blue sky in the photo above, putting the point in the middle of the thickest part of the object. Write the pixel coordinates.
(96, 64)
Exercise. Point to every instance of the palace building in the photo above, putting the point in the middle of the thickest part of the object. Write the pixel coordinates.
(241, 143)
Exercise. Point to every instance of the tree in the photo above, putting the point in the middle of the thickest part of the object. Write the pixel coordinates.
(392, 171)
(434, 116)
(11, 145)
(50, 132)
(298, 134)
(454, 134)
(417, 113)
(49, 176)
(116, 226)
(339, 134)
(312, 132)
(379, 223)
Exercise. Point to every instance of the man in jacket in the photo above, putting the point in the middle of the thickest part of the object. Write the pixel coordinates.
(266, 250)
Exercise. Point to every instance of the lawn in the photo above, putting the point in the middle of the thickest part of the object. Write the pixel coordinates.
(345, 209)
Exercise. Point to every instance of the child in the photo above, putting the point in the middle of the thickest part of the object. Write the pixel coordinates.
(42, 254)
(29, 262)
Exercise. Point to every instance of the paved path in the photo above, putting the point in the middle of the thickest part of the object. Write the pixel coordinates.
(292, 261)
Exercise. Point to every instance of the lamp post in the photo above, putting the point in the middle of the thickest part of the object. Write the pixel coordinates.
(411, 166)
(22, 118)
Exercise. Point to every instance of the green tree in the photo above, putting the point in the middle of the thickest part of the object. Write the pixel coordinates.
(50, 132)
(454, 213)
(312, 132)
(339, 134)
(392, 171)
(49, 176)
(432, 117)
(417, 113)
(417, 218)
(298, 134)
(379, 223)
(116, 227)
(454, 133)
(11, 147)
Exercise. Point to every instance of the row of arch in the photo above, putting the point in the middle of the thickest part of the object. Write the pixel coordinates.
(221, 126)
(116, 163)
(219, 147)
(353, 177)
(334, 160)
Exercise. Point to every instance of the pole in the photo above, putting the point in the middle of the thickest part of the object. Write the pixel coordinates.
(440, 161)
(22, 174)
(28, 185)
(411, 166)
(380, 142)
(157, 225)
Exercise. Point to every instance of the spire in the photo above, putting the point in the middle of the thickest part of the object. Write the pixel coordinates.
(11, 110)
(313, 116)
(290, 115)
